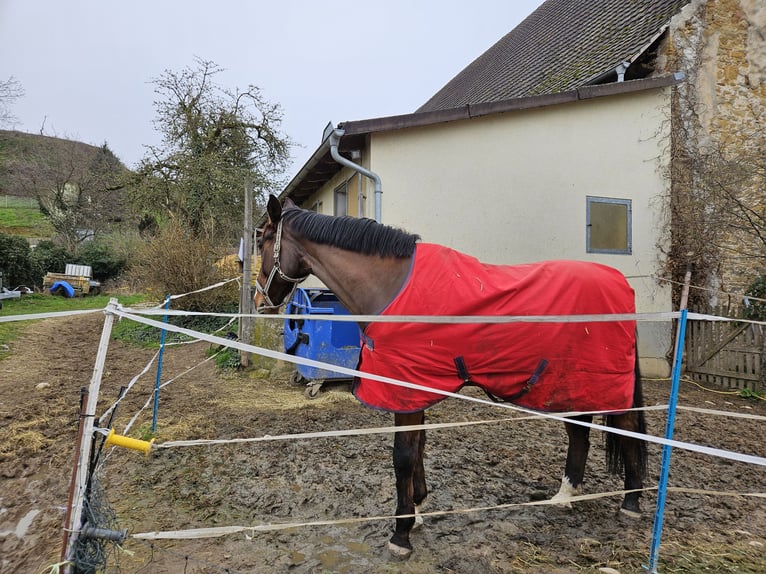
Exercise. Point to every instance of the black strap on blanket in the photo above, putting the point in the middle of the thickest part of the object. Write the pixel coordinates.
(531, 381)
(462, 373)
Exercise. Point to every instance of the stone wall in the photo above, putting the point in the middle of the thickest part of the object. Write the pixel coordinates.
(719, 111)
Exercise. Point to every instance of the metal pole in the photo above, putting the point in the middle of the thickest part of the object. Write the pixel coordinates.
(74, 524)
(73, 480)
(662, 488)
(156, 406)
(245, 301)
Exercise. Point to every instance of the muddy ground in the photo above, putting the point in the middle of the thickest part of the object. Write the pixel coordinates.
(327, 479)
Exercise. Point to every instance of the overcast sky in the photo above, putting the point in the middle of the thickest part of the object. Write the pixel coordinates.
(86, 66)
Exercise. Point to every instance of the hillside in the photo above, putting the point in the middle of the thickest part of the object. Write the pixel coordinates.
(20, 151)
(61, 176)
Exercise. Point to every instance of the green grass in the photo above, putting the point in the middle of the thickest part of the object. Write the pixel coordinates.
(21, 216)
(16, 202)
(37, 303)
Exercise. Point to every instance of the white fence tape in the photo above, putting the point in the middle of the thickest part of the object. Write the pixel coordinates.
(52, 315)
(249, 531)
(750, 459)
(490, 319)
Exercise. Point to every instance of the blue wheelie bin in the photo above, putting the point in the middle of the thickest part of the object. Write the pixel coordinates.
(335, 342)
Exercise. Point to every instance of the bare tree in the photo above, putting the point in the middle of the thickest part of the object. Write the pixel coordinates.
(10, 91)
(215, 141)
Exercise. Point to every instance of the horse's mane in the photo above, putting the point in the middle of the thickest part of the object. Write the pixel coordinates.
(361, 235)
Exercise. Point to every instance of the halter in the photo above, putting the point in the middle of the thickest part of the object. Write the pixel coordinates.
(276, 269)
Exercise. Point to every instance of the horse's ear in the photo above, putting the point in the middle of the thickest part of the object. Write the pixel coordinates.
(288, 203)
(274, 209)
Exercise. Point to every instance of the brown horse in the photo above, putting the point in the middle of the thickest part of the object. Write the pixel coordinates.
(370, 267)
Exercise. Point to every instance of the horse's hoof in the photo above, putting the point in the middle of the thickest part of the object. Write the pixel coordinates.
(634, 514)
(562, 501)
(399, 551)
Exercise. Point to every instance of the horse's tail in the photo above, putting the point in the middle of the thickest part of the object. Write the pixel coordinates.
(635, 421)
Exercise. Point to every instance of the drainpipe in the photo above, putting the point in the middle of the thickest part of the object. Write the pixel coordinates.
(334, 141)
(622, 67)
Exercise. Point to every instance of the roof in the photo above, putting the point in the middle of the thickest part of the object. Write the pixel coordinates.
(567, 50)
(563, 45)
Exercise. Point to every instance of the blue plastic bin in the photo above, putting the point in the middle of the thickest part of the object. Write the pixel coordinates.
(335, 342)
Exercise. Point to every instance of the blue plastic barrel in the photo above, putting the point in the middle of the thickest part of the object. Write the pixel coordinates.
(335, 342)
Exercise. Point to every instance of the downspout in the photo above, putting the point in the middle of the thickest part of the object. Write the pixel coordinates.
(334, 141)
(622, 67)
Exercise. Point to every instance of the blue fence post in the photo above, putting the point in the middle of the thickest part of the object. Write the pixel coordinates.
(156, 406)
(659, 514)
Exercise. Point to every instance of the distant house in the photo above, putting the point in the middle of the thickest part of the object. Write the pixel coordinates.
(556, 143)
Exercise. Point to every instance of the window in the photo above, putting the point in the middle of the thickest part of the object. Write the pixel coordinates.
(608, 224)
(317, 207)
(341, 199)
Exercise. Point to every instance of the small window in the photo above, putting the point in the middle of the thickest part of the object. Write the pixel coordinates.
(317, 207)
(608, 224)
(341, 199)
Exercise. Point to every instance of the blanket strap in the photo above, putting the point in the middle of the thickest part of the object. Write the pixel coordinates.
(462, 373)
(531, 381)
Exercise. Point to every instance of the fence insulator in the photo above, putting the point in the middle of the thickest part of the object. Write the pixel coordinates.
(132, 443)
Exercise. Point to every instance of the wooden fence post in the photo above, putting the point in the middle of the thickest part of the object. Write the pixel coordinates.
(74, 524)
(245, 302)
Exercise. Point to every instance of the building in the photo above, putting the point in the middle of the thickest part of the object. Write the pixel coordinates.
(559, 142)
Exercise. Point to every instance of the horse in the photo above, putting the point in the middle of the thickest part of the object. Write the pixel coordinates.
(371, 267)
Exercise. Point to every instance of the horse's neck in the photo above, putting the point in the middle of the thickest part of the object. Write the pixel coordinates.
(364, 284)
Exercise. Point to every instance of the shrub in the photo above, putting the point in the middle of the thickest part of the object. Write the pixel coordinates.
(173, 263)
(104, 262)
(49, 257)
(16, 262)
(756, 310)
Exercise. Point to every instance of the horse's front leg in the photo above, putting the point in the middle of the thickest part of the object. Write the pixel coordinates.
(410, 479)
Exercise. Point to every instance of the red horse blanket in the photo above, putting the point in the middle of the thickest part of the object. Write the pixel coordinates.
(542, 366)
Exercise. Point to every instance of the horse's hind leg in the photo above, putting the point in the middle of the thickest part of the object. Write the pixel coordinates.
(628, 453)
(577, 454)
(410, 480)
(420, 490)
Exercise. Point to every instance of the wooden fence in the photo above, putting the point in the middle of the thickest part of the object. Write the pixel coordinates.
(727, 354)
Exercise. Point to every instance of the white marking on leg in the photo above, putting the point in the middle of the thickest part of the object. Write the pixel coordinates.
(566, 492)
(418, 518)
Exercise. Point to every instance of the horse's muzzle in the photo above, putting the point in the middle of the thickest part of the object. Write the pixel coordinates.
(263, 307)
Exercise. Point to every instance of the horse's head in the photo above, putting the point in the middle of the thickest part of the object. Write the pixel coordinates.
(281, 267)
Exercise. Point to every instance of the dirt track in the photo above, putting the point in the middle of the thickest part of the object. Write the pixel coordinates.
(333, 478)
